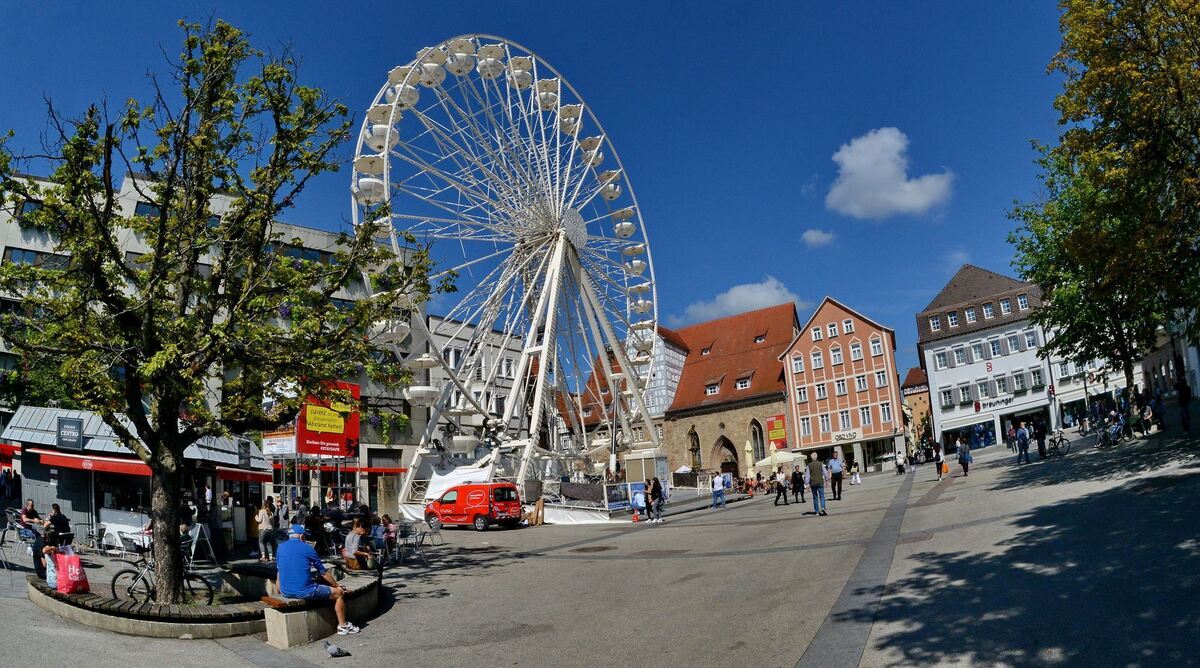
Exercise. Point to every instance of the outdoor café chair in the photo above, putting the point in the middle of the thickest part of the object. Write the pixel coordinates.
(435, 532)
(413, 543)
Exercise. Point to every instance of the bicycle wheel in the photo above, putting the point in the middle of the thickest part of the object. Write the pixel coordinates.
(197, 590)
(1064, 446)
(129, 583)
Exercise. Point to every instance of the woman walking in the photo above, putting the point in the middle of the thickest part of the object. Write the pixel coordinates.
(854, 477)
(656, 501)
(939, 459)
(266, 532)
(964, 456)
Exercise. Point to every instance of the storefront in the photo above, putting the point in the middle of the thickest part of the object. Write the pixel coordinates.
(980, 434)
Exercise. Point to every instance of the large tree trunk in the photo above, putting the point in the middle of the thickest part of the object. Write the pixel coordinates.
(166, 499)
(1127, 365)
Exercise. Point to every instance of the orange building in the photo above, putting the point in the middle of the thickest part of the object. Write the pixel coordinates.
(915, 389)
(843, 388)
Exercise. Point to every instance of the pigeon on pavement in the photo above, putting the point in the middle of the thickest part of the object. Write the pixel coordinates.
(334, 650)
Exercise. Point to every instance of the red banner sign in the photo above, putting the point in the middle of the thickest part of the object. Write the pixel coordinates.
(329, 427)
(777, 432)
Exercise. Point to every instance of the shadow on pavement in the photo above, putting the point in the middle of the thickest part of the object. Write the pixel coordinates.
(1111, 578)
(414, 581)
(1085, 464)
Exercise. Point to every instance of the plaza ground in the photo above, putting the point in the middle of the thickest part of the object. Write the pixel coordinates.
(1089, 560)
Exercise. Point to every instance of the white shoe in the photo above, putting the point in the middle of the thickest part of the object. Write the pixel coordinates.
(347, 629)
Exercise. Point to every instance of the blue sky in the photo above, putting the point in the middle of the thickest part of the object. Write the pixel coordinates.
(727, 117)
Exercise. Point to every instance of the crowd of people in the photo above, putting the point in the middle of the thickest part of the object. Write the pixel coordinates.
(814, 476)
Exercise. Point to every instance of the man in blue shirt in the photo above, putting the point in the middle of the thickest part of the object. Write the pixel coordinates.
(836, 468)
(1022, 442)
(296, 560)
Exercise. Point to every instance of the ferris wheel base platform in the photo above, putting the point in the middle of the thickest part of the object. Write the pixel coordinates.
(553, 514)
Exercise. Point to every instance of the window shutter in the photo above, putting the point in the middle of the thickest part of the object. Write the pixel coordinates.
(987, 350)
(970, 355)
(950, 357)
(1004, 346)
(992, 389)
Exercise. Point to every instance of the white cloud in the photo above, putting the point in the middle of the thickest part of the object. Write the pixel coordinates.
(955, 259)
(873, 181)
(814, 238)
(739, 299)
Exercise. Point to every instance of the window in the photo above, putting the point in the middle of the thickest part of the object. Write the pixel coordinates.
(705, 351)
(756, 438)
(710, 390)
(969, 312)
(988, 311)
(856, 351)
(587, 411)
(977, 351)
(797, 364)
(847, 326)
(742, 384)
(1014, 343)
(805, 426)
(982, 389)
(821, 393)
(860, 383)
(1018, 381)
(831, 329)
(1005, 306)
(604, 390)
(36, 258)
(947, 398)
(1031, 339)
(876, 347)
(302, 253)
(864, 416)
(499, 409)
(509, 372)
(818, 361)
(995, 346)
(146, 209)
(816, 333)
(479, 372)
(960, 356)
(844, 420)
(450, 497)
(1035, 376)
(952, 319)
(885, 412)
(939, 361)
(1064, 369)
(835, 355)
(1023, 302)
(760, 338)
(935, 323)
(802, 393)
(880, 379)
(839, 386)
(453, 356)
(824, 420)
(1001, 385)
(964, 394)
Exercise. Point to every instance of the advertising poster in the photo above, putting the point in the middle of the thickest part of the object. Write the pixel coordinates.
(328, 427)
(777, 432)
(279, 443)
(617, 496)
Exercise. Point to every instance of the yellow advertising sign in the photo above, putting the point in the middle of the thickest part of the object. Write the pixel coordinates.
(326, 420)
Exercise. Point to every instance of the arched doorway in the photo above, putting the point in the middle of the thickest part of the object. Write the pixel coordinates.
(726, 456)
(757, 442)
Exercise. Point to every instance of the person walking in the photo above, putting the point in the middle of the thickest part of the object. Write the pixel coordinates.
(899, 463)
(854, 479)
(1022, 439)
(964, 456)
(1183, 394)
(816, 484)
(268, 525)
(1012, 438)
(798, 485)
(656, 501)
(836, 469)
(718, 490)
(1039, 434)
(781, 481)
(939, 458)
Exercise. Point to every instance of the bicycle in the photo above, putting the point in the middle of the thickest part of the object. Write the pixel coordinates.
(139, 584)
(1059, 444)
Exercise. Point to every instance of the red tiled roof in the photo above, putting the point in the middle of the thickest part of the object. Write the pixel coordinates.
(733, 354)
(915, 376)
(672, 337)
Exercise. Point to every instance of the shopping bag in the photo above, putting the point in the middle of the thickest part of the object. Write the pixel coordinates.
(945, 468)
(71, 577)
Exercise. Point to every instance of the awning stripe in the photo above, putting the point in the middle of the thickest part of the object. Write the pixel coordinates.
(92, 463)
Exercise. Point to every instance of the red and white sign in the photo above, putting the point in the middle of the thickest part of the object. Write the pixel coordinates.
(777, 432)
(329, 427)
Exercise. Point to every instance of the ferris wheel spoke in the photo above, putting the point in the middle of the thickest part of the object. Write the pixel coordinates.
(463, 149)
(461, 186)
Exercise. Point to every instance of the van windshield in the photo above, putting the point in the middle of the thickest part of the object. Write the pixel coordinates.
(504, 494)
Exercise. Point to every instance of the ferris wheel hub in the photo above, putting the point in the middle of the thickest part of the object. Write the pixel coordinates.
(574, 228)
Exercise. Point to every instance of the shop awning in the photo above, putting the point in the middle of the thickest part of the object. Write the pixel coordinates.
(10, 449)
(91, 462)
(330, 468)
(242, 475)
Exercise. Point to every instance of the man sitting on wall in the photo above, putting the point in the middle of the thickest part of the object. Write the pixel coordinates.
(296, 560)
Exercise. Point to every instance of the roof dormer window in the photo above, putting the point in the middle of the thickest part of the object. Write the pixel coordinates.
(760, 338)
(711, 390)
(706, 351)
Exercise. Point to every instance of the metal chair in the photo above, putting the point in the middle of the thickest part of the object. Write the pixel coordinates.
(413, 543)
(435, 531)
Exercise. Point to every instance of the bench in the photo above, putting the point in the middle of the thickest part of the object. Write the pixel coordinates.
(293, 621)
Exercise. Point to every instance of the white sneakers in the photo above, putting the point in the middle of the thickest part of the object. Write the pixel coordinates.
(346, 629)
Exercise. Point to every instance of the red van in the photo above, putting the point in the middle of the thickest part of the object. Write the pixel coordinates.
(478, 504)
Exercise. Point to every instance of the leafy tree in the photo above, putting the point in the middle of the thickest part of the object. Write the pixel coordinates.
(1131, 109)
(1085, 259)
(194, 338)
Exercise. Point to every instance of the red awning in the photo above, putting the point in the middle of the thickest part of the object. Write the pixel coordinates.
(243, 475)
(330, 468)
(10, 449)
(92, 463)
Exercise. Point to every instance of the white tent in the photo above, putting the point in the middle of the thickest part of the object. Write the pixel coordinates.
(684, 469)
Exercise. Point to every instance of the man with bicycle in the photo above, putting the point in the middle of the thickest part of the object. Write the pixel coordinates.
(295, 561)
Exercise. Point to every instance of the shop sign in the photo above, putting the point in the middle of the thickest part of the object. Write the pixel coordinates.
(280, 443)
(70, 433)
(993, 403)
(329, 427)
(777, 432)
(846, 436)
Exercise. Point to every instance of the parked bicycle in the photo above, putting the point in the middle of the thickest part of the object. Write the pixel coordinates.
(139, 584)
(1059, 444)
(1112, 433)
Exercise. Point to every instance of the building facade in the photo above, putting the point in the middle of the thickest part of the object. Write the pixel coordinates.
(731, 386)
(915, 390)
(842, 386)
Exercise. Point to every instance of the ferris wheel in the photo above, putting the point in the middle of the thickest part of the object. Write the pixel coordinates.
(481, 150)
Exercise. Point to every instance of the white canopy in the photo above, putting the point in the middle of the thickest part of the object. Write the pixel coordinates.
(684, 469)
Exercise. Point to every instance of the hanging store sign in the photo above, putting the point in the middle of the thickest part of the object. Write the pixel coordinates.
(777, 432)
(70, 433)
(329, 427)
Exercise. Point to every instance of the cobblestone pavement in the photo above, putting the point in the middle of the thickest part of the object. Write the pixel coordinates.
(1092, 559)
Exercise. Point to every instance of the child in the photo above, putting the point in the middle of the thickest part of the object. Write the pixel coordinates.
(854, 478)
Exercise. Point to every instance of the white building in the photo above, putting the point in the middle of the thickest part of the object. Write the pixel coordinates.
(979, 349)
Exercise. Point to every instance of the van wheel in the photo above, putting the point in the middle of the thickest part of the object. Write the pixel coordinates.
(429, 518)
(480, 523)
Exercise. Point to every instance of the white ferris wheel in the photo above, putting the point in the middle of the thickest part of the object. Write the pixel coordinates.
(482, 150)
